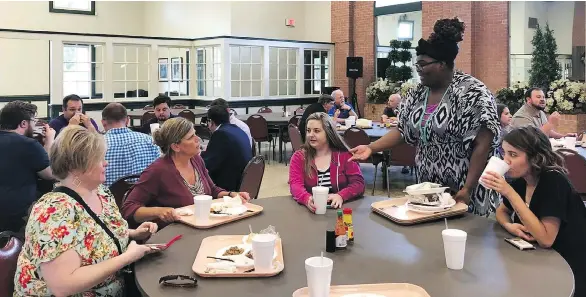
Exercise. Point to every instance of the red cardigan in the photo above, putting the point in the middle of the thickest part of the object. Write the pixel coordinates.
(348, 182)
(160, 184)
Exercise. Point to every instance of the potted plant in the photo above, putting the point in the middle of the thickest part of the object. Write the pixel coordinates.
(377, 94)
(398, 71)
(513, 97)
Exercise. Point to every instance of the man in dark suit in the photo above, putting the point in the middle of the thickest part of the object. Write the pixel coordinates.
(323, 104)
(228, 151)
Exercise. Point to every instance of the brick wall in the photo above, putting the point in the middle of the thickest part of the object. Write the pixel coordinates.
(353, 35)
(484, 53)
(579, 25)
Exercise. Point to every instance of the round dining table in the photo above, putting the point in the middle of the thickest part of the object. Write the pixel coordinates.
(383, 252)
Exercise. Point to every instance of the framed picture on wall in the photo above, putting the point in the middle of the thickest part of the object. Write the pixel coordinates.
(177, 69)
(163, 69)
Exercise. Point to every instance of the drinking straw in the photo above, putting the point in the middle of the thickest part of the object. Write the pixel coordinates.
(446, 220)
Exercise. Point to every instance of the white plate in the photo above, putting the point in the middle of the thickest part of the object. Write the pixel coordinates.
(230, 211)
(426, 191)
(239, 260)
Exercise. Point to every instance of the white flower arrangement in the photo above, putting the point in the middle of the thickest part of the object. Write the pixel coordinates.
(566, 96)
(405, 87)
(380, 90)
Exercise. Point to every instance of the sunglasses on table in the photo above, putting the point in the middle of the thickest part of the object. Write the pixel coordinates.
(179, 281)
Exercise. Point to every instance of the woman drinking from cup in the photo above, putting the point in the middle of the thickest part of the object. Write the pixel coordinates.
(324, 161)
(76, 240)
(174, 179)
(544, 204)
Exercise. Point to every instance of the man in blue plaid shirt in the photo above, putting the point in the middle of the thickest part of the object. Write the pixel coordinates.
(128, 152)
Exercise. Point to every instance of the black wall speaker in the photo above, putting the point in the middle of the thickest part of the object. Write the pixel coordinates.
(381, 67)
(354, 67)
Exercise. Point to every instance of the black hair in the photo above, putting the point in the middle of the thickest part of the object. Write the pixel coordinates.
(114, 112)
(529, 91)
(14, 112)
(499, 109)
(537, 146)
(325, 99)
(71, 97)
(219, 115)
(162, 99)
(220, 102)
(442, 43)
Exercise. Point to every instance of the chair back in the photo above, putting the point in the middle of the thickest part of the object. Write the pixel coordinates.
(299, 111)
(402, 155)
(355, 136)
(147, 116)
(265, 109)
(233, 111)
(179, 106)
(8, 257)
(576, 165)
(295, 137)
(295, 120)
(148, 107)
(121, 186)
(187, 114)
(259, 129)
(252, 176)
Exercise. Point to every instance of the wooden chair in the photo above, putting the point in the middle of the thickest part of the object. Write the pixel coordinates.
(121, 186)
(265, 109)
(259, 131)
(285, 136)
(295, 137)
(10, 247)
(147, 116)
(252, 176)
(576, 165)
(187, 114)
(299, 111)
(401, 155)
(354, 137)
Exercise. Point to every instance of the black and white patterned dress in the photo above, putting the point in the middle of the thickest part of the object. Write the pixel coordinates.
(444, 155)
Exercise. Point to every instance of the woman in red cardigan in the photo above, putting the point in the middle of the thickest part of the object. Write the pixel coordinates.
(173, 179)
(323, 160)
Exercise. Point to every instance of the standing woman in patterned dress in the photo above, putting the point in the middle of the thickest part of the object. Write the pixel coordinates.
(451, 119)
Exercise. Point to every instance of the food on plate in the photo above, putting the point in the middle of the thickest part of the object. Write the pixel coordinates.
(218, 208)
(184, 212)
(233, 251)
(423, 186)
(249, 255)
(363, 123)
(426, 200)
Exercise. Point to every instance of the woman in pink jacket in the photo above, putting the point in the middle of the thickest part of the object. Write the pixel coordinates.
(323, 161)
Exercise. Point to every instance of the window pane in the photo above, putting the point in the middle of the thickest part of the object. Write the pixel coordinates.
(324, 58)
(68, 53)
(234, 54)
(143, 72)
(292, 56)
(316, 86)
(131, 72)
(217, 88)
(245, 71)
(164, 52)
(244, 54)
(97, 89)
(256, 88)
(307, 57)
(273, 55)
(209, 88)
(307, 72)
(273, 71)
(144, 54)
(118, 72)
(282, 87)
(119, 88)
(315, 57)
(235, 89)
(235, 71)
(217, 71)
(292, 87)
(282, 56)
(307, 87)
(273, 88)
(256, 54)
(245, 89)
(282, 71)
(256, 71)
(326, 73)
(292, 72)
(200, 88)
(184, 87)
(81, 66)
(200, 56)
(82, 54)
(98, 53)
(118, 53)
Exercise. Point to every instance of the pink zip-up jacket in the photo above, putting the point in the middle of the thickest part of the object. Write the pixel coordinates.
(346, 177)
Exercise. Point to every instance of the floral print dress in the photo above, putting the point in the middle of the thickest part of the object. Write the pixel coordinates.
(59, 223)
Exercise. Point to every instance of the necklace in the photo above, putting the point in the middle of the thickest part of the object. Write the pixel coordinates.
(423, 129)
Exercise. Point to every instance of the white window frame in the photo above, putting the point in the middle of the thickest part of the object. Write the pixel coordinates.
(250, 64)
(89, 80)
(187, 71)
(287, 79)
(216, 74)
(317, 67)
(72, 7)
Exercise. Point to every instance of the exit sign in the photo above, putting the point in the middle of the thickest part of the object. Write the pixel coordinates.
(290, 22)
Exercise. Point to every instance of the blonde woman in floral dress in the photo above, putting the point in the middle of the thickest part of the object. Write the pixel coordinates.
(66, 252)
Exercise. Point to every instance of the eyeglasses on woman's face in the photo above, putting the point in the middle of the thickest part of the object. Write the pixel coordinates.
(421, 64)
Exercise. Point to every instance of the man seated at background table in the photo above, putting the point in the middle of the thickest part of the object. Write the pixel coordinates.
(233, 120)
(392, 109)
(162, 105)
(228, 151)
(128, 152)
(323, 104)
(73, 115)
(22, 160)
(532, 114)
(341, 109)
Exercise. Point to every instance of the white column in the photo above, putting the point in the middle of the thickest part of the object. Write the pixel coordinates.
(56, 71)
